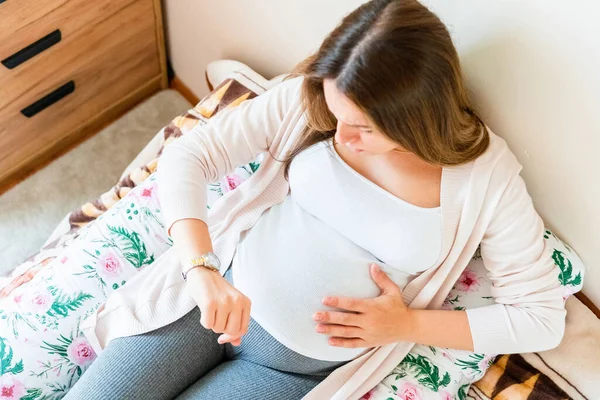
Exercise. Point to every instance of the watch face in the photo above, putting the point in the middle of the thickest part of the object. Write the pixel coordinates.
(213, 260)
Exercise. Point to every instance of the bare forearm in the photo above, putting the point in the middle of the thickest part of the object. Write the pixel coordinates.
(191, 238)
(441, 328)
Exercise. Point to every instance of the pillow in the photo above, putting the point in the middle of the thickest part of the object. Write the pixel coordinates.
(218, 71)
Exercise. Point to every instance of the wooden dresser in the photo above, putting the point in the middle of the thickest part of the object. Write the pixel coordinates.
(67, 67)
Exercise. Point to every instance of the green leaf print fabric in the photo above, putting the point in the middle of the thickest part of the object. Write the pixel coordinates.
(43, 352)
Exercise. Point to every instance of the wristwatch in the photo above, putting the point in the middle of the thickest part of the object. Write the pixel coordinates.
(208, 260)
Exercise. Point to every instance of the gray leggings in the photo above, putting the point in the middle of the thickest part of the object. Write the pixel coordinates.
(183, 360)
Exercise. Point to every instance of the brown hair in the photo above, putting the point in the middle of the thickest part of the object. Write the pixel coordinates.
(396, 61)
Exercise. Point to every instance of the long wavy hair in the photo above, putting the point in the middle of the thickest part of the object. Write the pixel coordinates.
(395, 60)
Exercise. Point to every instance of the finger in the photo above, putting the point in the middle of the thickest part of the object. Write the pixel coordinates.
(228, 338)
(207, 318)
(345, 342)
(233, 322)
(338, 317)
(245, 320)
(382, 280)
(346, 303)
(221, 321)
(339, 330)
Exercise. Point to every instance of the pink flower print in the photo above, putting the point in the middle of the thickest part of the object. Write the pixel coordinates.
(109, 265)
(484, 363)
(146, 193)
(11, 388)
(230, 182)
(446, 396)
(468, 281)
(80, 352)
(17, 299)
(367, 395)
(64, 260)
(408, 391)
(39, 301)
(447, 355)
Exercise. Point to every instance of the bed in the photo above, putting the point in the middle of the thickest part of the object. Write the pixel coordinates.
(571, 371)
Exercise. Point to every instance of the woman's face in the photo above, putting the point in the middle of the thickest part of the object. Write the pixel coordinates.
(354, 129)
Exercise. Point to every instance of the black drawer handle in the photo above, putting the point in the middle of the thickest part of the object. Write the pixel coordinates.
(32, 50)
(49, 99)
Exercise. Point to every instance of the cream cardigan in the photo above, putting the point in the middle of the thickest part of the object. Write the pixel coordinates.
(483, 202)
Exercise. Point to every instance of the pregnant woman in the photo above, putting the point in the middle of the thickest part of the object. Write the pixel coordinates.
(317, 275)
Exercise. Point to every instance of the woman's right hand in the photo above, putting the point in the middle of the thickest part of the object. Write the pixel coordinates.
(223, 308)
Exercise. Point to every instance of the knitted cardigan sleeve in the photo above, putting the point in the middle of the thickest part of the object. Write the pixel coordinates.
(529, 313)
(231, 138)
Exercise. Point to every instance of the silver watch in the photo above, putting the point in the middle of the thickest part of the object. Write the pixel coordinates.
(208, 260)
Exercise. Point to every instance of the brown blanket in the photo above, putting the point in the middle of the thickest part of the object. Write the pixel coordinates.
(571, 371)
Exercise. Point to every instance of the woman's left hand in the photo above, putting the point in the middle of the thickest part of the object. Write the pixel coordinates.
(370, 322)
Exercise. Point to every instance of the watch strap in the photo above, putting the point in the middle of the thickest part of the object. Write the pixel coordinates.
(198, 262)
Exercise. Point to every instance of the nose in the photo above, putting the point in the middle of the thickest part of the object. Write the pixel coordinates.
(345, 134)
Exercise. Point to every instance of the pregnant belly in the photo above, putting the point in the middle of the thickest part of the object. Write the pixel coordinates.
(288, 262)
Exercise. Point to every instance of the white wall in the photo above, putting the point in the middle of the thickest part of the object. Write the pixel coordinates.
(533, 66)
(534, 69)
(269, 35)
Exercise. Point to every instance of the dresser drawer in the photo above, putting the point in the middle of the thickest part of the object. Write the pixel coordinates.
(102, 65)
(23, 43)
(19, 13)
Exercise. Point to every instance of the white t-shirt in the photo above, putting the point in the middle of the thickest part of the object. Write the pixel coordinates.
(320, 241)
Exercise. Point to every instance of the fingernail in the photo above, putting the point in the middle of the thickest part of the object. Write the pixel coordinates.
(318, 317)
(375, 266)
